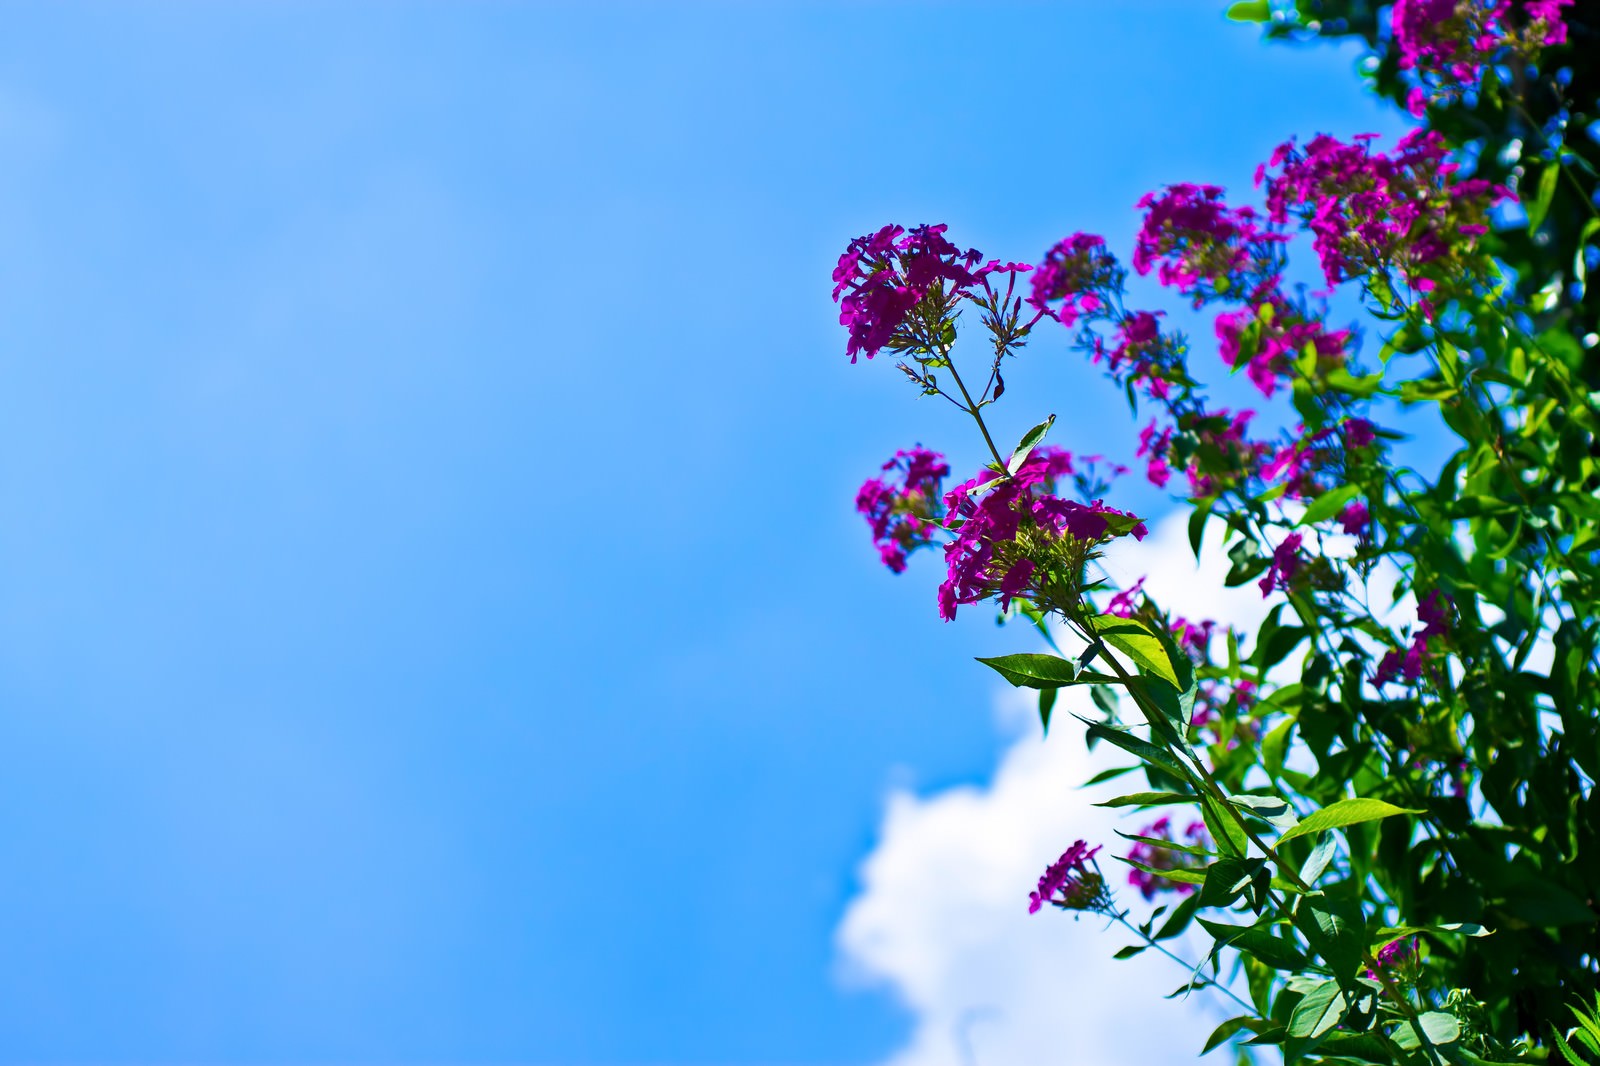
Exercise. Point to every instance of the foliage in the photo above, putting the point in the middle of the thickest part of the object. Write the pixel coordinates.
(1393, 840)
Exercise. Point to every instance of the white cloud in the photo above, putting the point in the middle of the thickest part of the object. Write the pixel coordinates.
(942, 917)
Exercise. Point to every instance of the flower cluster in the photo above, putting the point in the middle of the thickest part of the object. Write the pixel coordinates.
(1400, 959)
(1141, 354)
(1194, 637)
(904, 516)
(1221, 710)
(883, 277)
(1369, 211)
(1074, 274)
(1157, 859)
(1269, 335)
(1013, 535)
(1122, 604)
(1202, 247)
(1287, 561)
(1072, 882)
(1445, 45)
(1434, 613)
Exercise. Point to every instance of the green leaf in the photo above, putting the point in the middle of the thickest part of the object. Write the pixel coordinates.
(1270, 809)
(1141, 645)
(1130, 743)
(1317, 1012)
(1439, 1027)
(1231, 1026)
(1035, 670)
(1319, 859)
(1333, 927)
(1168, 845)
(1223, 827)
(1328, 505)
(1030, 440)
(1566, 1049)
(1276, 952)
(1047, 703)
(1177, 873)
(1108, 774)
(1249, 11)
(1346, 812)
(1226, 880)
(1389, 934)
(1540, 207)
(1197, 526)
(1130, 951)
(1148, 799)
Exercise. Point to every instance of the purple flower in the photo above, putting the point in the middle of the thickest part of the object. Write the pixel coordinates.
(1159, 858)
(1370, 211)
(1399, 957)
(1278, 333)
(1354, 517)
(1358, 433)
(1122, 603)
(1070, 882)
(1075, 273)
(1434, 612)
(880, 278)
(988, 512)
(904, 516)
(1286, 563)
(1200, 246)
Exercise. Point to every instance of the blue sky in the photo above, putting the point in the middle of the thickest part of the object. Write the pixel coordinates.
(432, 622)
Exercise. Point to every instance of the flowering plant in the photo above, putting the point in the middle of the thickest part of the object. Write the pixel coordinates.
(1391, 835)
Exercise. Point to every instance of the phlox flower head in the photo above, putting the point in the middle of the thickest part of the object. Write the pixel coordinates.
(1202, 247)
(1270, 334)
(904, 512)
(881, 278)
(1153, 447)
(1157, 859)
(1399, 959)
(1223, 454)
(1354, 518)
(1123, 603)
(1194, 637)
(1072, 882)
(1370, 211)
(1303, 464)
(1434, 613)
(1446, 46)
(1013, 533)
(1073, 279)
(1140, 353)
(1287, 562)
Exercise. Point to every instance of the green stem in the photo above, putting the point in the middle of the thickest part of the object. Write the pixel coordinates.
(1151, 941)
(972, 409)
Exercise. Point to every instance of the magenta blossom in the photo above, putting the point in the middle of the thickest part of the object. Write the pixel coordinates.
(989, 512)
(1359, 433)
(880, 278)
(904, 515)
(1160, 859)
(1071, 281)
(1287, 561)
(1399, 958)
(1445, 46)
(1371, 211)
(1434, 613)
(1071, 882)
(1275, 332)
(1354, 518)
(1200, 246)
(1122, 603)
